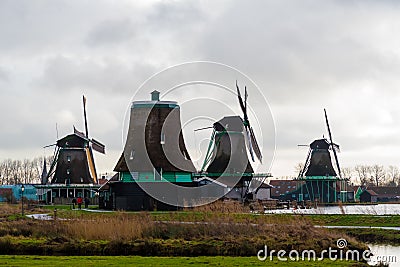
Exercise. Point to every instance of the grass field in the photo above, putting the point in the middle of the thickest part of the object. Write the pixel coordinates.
(209, 233)
(157, 261)
(64, 211)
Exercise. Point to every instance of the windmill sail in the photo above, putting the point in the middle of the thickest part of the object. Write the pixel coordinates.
(74, 162)
(333, 145)
(255, 146)
(251, 138)
(97, 146)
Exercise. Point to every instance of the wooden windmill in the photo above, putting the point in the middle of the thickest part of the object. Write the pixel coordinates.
(322, 181)
(227, 157)
(73, 161)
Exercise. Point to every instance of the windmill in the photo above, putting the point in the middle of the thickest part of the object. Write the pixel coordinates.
(319, 161)
(73, 159)
(155, 158)
(321, 178)
(226, 156)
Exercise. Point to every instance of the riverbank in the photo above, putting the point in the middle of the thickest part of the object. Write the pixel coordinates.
(160, 261)
(227, 232)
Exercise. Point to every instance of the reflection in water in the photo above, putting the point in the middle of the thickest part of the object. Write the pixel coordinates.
(381, 209)
(385, 253)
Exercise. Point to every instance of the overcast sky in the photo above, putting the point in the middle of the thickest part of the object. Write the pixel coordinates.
(304, 56)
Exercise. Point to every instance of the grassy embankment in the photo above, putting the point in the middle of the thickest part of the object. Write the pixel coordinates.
(225, 230)
(370, 235)
(157, 261)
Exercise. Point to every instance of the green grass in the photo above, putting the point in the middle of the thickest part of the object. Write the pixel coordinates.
(355, 220)
(64, 211)
(375, 236)
(157, 261)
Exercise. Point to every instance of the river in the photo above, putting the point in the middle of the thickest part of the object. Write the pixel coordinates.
(380, 209)
(385, 253)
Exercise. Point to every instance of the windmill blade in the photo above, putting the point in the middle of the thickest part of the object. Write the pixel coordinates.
(334, 150)
(249, 143)
(97, 146)
(335, 147)
(49, 145)
(242, 106)
(254, 145)
(245, 98)
(85, 117)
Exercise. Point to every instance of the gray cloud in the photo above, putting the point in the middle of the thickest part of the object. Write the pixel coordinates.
(4, 77)
(106, 75)
(112, 32)
(339, 55)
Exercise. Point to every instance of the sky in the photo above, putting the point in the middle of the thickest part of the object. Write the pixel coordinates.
(304, 56)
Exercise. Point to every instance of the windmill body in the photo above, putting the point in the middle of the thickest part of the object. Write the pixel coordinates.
(319, 175)
(155, 141)
(73, 171)
(74, 161)
(154, 156)
(319, 162)
(319, 181)
(230, 153)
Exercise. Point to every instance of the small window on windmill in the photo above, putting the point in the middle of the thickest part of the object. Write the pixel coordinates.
(162, 139)
(81, 180)
(68, 171)
(135, 175)
(68, 158)
(132, 154)
(157, 174)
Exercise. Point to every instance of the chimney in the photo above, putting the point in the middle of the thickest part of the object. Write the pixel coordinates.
(155, 95)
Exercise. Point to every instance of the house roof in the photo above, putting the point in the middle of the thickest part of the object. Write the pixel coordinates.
(385, 191)
(371, 192)
(264, 185)
(105, 186)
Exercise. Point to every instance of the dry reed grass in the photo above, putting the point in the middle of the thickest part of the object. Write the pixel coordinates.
(7, 209)
(121, 226)
(223, 206)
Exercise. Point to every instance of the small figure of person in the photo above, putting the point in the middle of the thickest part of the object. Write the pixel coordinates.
(73, 203)
(80, 202)
(87, 202)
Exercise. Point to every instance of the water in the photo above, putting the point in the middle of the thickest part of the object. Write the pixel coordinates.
(380, 209)
(396, 228)
(385, 253)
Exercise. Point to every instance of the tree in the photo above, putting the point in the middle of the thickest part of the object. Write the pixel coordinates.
(377, 174)
(347, 172)
(7, 195)
(18, 171)
(363, 173)
(299, 168)
(393, 175)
